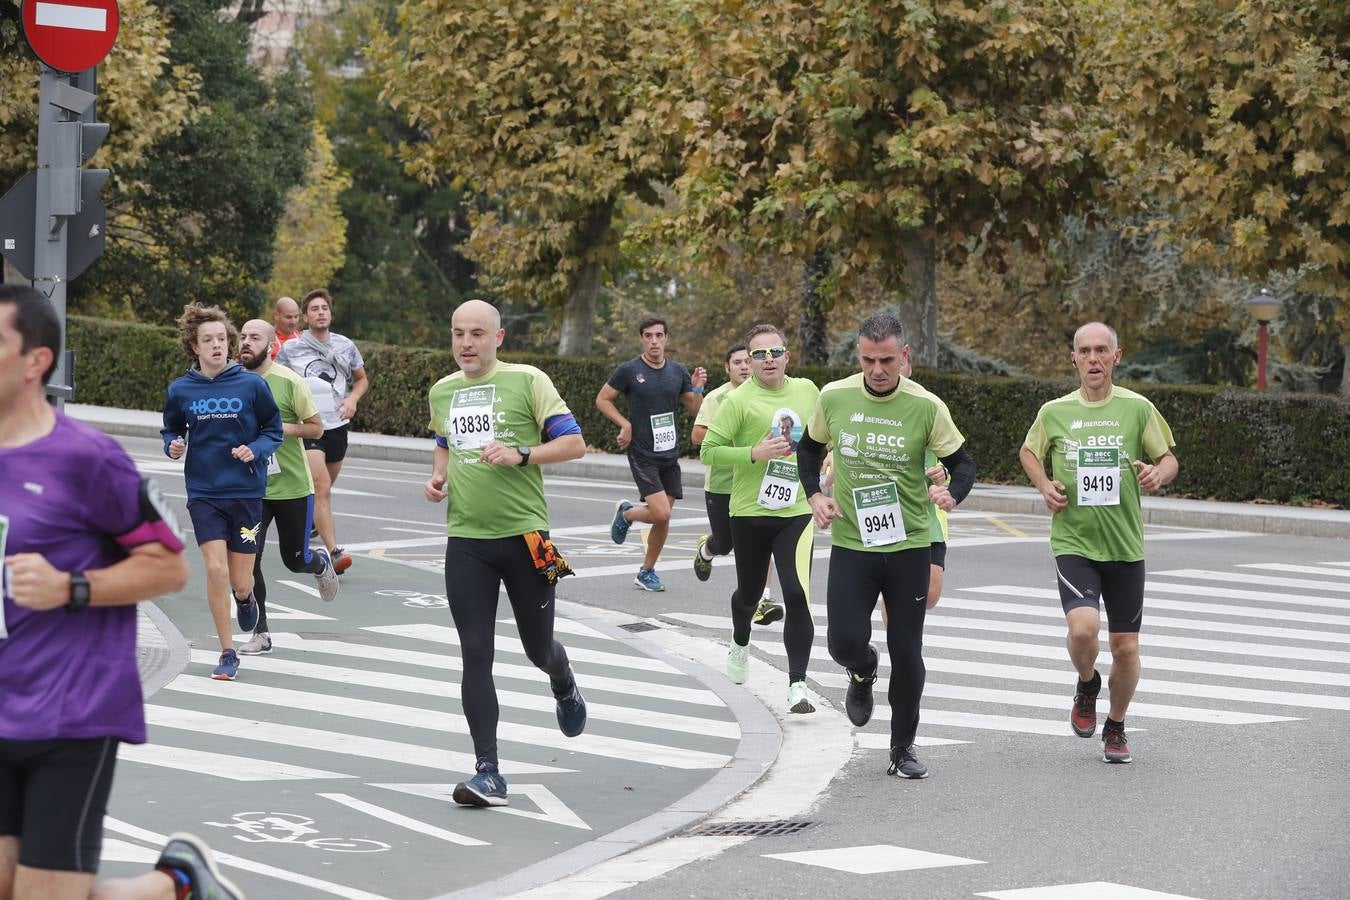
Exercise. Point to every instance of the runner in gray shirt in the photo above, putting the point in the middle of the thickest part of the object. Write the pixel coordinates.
(653, 387)
(336, 374)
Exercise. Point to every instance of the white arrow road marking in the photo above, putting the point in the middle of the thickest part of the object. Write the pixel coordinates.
(551, 809)
(82, 18)
(388, 815)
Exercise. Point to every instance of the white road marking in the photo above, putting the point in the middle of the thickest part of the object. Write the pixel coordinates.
(450, 723)
(444, 634)
(219, 765)
(1235, 593)
(247, 865)
(872, 740)
(394, 818)
(551, 809)
(115, 850)
(1301, 570)
(1273, 580)
(590, 682)
(1097, 890)
(1151, 603)
(874, 859)
(316, 740)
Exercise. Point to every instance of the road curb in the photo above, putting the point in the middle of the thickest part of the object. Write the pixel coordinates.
(761, 738)
(991, 498)
(161, 649)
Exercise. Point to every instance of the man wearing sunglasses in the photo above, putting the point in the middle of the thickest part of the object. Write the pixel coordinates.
(881, 424)
(754, 432)
(653, 388)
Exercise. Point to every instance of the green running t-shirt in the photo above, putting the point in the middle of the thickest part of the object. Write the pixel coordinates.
(296, 402)
(879, 445)
(746, 416)
(716, 479)
(1091, 446)
(510, 405)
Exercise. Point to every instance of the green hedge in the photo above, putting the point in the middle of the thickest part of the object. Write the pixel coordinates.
(1233, 444)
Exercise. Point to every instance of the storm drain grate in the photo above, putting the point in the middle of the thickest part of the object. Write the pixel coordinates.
(753, 829)
(640, 626)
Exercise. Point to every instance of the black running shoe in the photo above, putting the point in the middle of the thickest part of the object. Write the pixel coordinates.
(904, 764)
(572, 711)
(858, 701)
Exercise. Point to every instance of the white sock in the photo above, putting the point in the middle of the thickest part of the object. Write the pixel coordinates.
(767, 595)
(703, 552)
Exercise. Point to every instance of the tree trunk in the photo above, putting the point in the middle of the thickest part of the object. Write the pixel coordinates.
(578, 319)
(918, 312)
(1345, 373)
(812, 328)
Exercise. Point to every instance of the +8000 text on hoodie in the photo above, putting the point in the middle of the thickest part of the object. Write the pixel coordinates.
(217, 415)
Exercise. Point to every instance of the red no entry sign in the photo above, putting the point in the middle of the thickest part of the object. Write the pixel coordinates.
(70, 35)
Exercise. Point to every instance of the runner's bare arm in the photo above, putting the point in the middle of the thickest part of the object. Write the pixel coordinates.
(360, 384)
(435, 485)
(1051, 491)
(310, 428)
(1157, 476)
(150, 571)
(604, 401)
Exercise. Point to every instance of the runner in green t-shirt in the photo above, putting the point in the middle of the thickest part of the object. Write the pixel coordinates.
(496, 423)
(290, 486)
(755, 432)
(881, 424)
(717, 488)
(1097, 439)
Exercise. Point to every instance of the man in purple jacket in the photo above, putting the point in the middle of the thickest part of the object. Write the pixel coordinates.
(83, 538)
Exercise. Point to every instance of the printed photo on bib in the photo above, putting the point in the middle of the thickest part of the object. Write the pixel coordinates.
(787, 424)
(471, 424)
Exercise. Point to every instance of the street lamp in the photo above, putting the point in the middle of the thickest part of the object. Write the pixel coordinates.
(1263, 308)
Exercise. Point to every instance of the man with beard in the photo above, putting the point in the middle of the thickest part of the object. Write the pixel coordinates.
(290, 487)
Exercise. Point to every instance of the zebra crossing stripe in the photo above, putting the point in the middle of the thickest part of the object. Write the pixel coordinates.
(1151, 639)
(1273, 580)
(440, 661)
(1234, 593)
(411, 684)
(565, 626)
(444, 634)
(1097, 890)
(874, 859)
(1297, 570)
(1058, 654)
(315, 740)
(218, 765)
(1150, 604)
(447, 722)
(394, 818)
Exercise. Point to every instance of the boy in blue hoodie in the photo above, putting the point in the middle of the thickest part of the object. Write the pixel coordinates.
(229, 417)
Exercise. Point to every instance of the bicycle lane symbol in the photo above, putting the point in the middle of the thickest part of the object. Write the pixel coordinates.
(290, 828)
(417, 599)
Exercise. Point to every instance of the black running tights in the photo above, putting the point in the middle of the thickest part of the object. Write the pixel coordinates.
(901, 578)
(475, 569)
(788, 542)
(293, 518)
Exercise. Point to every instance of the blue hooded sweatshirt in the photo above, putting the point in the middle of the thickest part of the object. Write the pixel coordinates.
(215, 415)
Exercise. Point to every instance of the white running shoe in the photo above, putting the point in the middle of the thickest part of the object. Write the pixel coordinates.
(798, 702)
(738, 662)
(257, 645)
(327, 579)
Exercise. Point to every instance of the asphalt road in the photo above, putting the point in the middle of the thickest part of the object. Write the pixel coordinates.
(324, 768)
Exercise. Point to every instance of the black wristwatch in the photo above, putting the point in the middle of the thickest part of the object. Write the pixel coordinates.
(524, 456)
(79, 592)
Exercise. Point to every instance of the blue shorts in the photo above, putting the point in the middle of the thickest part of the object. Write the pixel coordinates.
(233, 521)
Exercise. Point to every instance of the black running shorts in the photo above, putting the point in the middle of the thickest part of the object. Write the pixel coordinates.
(52, 798)
(1117, 585)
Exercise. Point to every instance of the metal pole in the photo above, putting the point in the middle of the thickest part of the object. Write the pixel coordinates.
(1261, 355)
(49, 245)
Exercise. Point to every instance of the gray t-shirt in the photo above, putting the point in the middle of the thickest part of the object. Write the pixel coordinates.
(653, 397)
(326, 381)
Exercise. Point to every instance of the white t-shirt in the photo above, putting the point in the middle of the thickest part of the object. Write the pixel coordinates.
(326, 381)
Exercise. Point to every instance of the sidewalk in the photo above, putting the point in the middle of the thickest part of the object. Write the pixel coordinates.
(993, 498)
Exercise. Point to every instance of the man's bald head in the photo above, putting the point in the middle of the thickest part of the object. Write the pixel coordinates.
(255, 342)
(286, 316)
(476, 330)
(1098, 330)
(478, 312)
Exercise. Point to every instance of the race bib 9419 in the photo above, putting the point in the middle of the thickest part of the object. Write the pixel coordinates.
(1098, 476)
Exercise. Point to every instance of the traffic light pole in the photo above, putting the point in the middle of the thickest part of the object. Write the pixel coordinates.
(60, 155)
